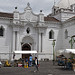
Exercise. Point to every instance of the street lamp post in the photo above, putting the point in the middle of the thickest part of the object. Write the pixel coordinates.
(53, 51)
(72, 41)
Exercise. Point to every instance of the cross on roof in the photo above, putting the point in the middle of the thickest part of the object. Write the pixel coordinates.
(28, 4)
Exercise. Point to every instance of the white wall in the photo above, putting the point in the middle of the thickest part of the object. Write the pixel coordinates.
(6, 40)
(64, 16)
(3, 52)
(47, 43)
(33, 35)
(67, 15)
(71, 31)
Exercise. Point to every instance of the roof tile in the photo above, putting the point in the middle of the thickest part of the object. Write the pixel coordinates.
(50, 19)
(8, 15)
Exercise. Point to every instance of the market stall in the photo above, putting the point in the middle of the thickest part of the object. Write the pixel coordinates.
(24, 62)
(69, 61)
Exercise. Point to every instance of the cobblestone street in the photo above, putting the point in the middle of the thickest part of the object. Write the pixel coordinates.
(46, 68)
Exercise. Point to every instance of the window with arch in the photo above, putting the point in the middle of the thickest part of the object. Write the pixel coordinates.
(51, 34)
(1, 31)
(28, 30)
(66, 34)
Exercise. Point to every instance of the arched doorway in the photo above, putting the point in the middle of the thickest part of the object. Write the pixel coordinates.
(26, 47)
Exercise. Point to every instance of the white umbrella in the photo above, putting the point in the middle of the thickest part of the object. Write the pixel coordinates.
(68, 52)
(59, 52)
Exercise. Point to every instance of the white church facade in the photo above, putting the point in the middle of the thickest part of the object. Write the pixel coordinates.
(35, 32)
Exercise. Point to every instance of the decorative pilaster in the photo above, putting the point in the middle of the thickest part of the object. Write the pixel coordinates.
(13, 40)
(18, 41)
(40, 42)
(41, 32)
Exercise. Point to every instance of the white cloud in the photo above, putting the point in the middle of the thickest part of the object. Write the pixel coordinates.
(36, 5)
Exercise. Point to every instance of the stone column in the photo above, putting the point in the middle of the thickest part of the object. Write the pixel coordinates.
(13, 40)
(18, 41)
(39, 42)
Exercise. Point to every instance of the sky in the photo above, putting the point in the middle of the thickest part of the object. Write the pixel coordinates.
(36, 5)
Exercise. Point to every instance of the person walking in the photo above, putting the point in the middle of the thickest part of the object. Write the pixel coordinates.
(36, 64)
(30, 60)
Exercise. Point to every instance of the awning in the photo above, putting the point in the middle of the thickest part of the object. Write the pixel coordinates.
(67, 51)
(70, 51)
(25, 52)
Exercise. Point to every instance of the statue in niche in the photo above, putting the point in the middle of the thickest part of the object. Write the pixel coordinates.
(28, 30)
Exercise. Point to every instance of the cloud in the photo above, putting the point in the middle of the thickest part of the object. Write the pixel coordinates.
(36, 5)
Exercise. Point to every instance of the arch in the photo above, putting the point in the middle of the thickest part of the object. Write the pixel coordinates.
(27, 44)
(1, 31)
(26, 36)
(28, 39)
(26, 47)
(28, 30)
(51, 34)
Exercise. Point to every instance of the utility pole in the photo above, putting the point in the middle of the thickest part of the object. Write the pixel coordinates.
(53, 51)
(72, 41)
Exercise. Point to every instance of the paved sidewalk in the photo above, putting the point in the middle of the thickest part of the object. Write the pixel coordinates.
(46, 68)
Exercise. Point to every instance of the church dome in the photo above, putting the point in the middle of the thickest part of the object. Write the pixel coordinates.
(65, 3)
